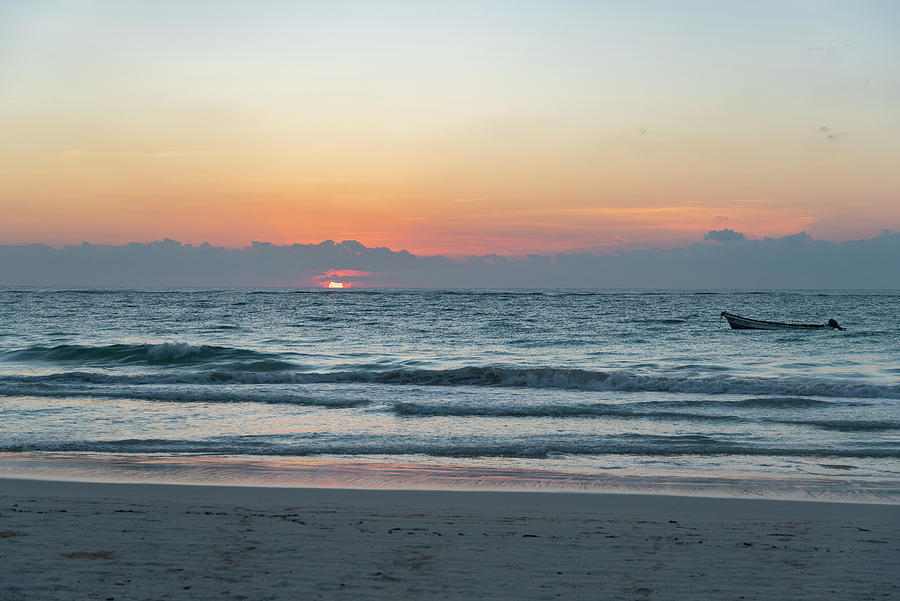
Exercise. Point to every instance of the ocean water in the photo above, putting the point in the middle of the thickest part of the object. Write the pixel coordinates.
(547, 390)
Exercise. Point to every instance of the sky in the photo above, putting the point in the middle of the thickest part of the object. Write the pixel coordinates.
(452, 128)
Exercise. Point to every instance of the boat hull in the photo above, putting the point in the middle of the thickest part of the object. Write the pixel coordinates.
(743, 323)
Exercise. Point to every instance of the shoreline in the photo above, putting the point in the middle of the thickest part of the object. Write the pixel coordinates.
(63, 540)
(471, 500)
(393, 474)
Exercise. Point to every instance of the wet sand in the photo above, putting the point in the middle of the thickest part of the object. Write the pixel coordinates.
(69, 540)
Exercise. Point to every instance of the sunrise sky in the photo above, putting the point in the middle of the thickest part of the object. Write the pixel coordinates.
(447, 127)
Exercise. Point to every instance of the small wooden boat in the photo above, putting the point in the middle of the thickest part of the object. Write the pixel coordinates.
(744, 323)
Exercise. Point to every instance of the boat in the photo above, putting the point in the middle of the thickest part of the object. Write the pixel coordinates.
(745, 323)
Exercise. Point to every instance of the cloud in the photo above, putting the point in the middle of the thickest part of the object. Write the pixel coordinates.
(347, 277)
(725, 235)
(726, 259)
(830, 133)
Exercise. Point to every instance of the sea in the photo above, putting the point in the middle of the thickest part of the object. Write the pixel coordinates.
(640, 391)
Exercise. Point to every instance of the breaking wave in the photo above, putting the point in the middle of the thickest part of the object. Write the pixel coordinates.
(788, 391)
(163, 354)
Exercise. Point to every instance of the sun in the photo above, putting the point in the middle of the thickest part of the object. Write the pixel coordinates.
(335, 285)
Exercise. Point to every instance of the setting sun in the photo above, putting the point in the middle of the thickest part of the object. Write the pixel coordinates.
(335, 285)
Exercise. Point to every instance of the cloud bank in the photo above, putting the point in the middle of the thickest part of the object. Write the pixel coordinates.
(725, 259)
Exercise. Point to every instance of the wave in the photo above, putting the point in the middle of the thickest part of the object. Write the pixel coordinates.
(648, 410)
(847, 425)
(636, 411)
(716, 411)
(785, 391)
(190, 393)
(525, 447)
(618, 381)
(164, 354)
(761, 403)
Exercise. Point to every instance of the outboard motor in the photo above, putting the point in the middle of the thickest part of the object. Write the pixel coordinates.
(834, 324)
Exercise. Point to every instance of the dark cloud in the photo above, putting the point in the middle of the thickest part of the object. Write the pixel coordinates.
(727, 259)
(725, 235)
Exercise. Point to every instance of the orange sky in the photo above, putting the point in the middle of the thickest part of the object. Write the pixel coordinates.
(473, 128)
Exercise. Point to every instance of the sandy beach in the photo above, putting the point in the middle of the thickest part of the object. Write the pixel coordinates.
(69, 540)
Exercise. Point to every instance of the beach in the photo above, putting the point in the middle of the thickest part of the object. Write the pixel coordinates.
(72, 540)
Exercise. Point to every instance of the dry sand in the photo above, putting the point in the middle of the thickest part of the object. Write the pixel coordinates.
(74, 541)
